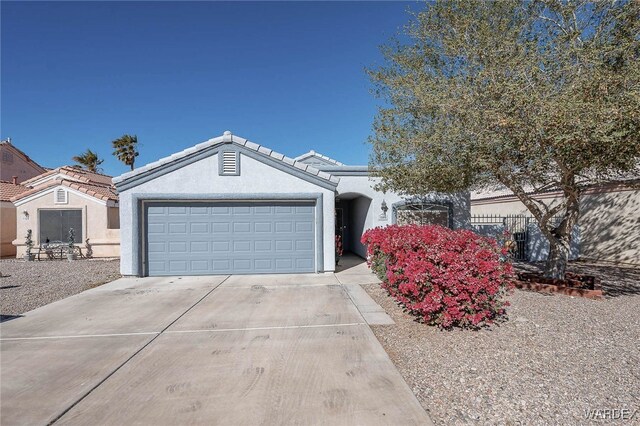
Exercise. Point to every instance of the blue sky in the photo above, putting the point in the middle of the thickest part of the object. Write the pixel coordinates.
(286, 75)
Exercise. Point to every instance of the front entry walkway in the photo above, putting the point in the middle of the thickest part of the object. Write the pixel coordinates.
(279, 349)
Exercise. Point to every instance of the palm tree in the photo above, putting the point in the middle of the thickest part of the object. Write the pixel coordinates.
(125, 149)
(89, 160)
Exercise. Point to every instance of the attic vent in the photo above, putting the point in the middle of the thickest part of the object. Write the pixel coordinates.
(60, 196)
(229, 163)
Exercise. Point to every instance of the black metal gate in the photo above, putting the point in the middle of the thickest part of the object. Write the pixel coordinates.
(516, 227)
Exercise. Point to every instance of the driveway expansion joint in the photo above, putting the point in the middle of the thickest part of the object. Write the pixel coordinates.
(97, 385)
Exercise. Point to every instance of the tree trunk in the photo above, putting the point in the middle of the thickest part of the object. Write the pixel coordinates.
(560, 238)
(556, 264)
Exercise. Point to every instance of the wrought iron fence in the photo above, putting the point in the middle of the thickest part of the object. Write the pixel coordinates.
(517, 227)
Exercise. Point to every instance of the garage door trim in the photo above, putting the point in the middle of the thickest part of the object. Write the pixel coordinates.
(139, 227)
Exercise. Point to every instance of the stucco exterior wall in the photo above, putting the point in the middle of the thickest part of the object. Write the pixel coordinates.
(18, 167)
(104, 242)
(202, 177)
(364, 185)
(8, 229)
(365, 215)
(609, 222)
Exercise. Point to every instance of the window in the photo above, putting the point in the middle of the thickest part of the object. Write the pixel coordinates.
(113, 218)
(229, 163)
(55, 224)
(60, 196)
(423, 214)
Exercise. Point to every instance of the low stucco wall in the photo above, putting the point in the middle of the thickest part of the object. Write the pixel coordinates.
(104, 242)
(202, 178)
(8, 229)
(609, 222)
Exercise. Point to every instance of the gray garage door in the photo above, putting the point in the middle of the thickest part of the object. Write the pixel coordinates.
(200, 238)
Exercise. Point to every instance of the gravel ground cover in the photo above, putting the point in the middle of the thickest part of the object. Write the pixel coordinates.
(556, 358)
(27, 285)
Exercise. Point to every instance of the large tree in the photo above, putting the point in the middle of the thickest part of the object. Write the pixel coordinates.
(125, 148)
(527, 95)
(89, 160)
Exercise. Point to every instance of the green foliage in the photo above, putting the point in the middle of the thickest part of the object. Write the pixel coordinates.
(528, 95)
(126, 149)
(89, 160)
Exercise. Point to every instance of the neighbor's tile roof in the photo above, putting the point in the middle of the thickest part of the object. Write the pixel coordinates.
(96, 190)
(226, 138)
(75, 173)
(9, 190)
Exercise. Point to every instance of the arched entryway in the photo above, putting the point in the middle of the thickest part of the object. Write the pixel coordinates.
(352, 215)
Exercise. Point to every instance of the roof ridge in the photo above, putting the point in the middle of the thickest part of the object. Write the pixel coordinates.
(86, 171)
(228, 137)
(313, 153)
(83, 187)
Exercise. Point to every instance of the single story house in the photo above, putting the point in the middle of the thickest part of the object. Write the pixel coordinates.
(231, 206)
(8, 230)
(609, 223)
(69, 197)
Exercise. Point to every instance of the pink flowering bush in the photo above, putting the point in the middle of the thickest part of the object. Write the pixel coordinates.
(448, 278)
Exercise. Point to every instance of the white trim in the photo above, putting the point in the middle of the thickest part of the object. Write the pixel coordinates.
(53, 177)
(53, 188)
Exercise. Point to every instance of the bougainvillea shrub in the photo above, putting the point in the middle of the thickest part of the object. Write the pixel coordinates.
(448, 278)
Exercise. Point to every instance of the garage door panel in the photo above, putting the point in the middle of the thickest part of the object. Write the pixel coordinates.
(230, 237)
(177, 211)
(262, 226)
(199, 211)
(199, 228)
(224, 227)
(241, 227)
(199, 247)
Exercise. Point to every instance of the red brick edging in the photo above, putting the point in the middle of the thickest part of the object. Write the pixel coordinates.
(551, 288)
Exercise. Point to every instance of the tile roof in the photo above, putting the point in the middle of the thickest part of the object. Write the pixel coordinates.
(96, 185)
(96, 190)
(73, 172)
(312, 153)
(9, 190)
(226, 138)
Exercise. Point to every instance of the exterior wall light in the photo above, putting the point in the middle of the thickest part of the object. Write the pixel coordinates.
(384, 208)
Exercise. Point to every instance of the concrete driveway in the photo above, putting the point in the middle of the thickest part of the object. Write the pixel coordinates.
(285, 349)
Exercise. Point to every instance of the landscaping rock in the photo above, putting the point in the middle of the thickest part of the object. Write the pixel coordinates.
(556, 357)
(25, 286)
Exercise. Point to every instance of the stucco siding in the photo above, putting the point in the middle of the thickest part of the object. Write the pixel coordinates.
(104, 242)
(17, 167)
(201, 178)
(366, 207)
(8, 230)
(609, 222)
(364, 185)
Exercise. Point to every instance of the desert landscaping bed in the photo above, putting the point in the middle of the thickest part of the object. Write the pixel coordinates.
(556, 358)
(27, 285)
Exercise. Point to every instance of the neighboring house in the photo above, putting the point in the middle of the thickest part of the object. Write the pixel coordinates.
(229, 205)
(8, 190)
(70, 197)
(609, 224)
(15, 163)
